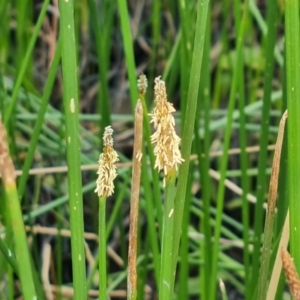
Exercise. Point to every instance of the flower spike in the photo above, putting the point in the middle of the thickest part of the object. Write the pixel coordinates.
(107, 168)
(166, 141)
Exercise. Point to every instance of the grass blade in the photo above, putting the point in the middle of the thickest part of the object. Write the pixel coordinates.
(71, 106)
(292, 35)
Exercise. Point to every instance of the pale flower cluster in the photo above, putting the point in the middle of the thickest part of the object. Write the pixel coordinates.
(166, 141)
(142, 84)
(107, 168)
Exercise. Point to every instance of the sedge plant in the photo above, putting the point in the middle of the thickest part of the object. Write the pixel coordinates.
(105, 188)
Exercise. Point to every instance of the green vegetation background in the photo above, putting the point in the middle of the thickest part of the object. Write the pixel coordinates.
(231, 69)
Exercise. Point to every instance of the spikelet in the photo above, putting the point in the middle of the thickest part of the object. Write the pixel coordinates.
(166, 141)
(107, 168)
(142, 84)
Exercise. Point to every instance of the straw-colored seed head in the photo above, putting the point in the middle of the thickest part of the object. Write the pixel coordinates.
(107, 168)
(142, 84)
(291, 274)
(166, 141)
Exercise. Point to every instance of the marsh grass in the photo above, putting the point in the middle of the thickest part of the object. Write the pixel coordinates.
(229, 73)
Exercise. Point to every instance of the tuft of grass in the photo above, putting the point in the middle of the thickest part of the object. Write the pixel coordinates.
(187, 134)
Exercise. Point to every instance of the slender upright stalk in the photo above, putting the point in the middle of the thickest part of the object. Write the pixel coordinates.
(292, 36)
(105, 188)
(166, 271)
(16, 219)
(102, 248)
(134, 203)
(204, 165)
(71, 106)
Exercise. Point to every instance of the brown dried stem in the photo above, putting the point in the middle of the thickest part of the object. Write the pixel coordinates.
(134, 208)
(269, 223)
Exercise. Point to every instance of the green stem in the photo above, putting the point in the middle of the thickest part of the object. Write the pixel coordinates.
(204, 165)
(166, 271)
(20, 241)
(71, 106)
(292, 36)
(102, 248)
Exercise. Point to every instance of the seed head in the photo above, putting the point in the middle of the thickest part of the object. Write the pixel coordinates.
(166, 141)
(107, 168)
(142, 84)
